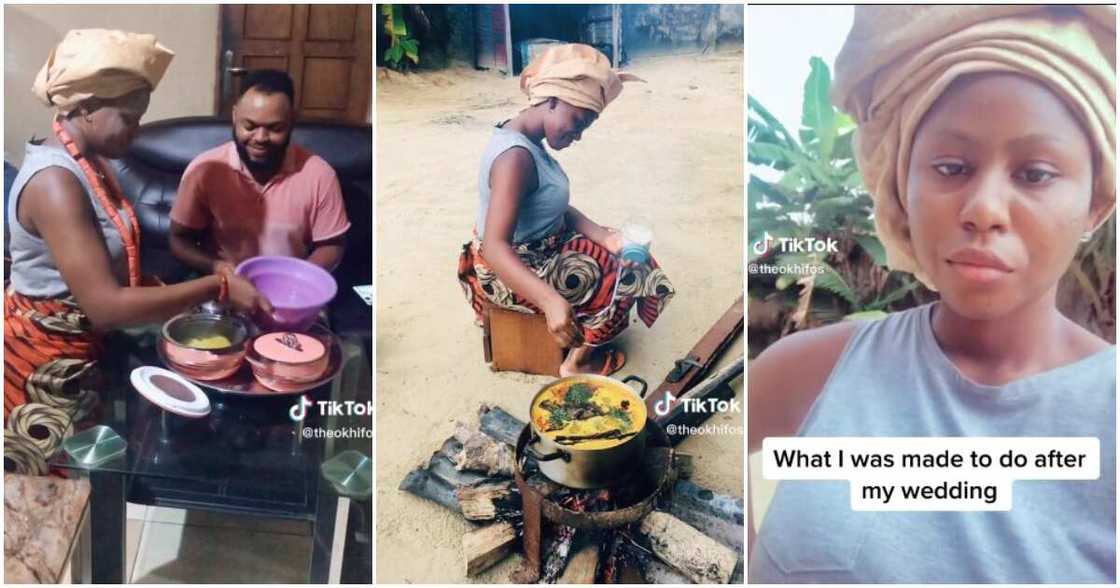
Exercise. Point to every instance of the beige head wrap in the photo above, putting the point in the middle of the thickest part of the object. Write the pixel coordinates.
(898, 60)
(100, 63)
(577, 74)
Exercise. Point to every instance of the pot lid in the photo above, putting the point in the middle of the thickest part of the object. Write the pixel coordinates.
(170, 391)
(290, 348)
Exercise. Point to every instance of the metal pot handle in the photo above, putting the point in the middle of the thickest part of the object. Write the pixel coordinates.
(560, 453)
(641, 394)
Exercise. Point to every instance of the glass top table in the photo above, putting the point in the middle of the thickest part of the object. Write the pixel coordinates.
(249, 456)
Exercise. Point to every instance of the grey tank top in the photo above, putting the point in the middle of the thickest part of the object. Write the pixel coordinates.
(894, 380)
(541, 213)
(34, 272)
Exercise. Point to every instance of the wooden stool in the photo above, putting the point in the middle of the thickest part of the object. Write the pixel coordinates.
(519, 342)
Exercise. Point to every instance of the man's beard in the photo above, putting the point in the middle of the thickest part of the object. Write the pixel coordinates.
(274, 161)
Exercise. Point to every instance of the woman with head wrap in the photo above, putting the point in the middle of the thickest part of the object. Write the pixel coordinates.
(986, 135)
(75, 243)
(535, 253)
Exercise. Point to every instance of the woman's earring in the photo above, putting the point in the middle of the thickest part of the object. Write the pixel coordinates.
(1086, 236)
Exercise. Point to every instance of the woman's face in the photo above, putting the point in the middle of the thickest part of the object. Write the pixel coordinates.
(112, 125)
(564, 124)
(999, 193)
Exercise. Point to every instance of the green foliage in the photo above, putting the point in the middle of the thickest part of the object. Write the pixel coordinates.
(1087, 293)
(558, 418)
(622, 416)
(578, 394)
(401, 46)
(816, 191)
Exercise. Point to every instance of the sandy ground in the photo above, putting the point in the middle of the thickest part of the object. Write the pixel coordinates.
(670, 150)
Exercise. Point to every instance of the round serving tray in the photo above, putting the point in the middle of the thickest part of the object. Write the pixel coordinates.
(242, 382)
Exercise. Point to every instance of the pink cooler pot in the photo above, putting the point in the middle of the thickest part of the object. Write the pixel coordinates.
(203, 364)
(286, 361)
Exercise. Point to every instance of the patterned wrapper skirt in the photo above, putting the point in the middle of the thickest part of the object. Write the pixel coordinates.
(600, 290)
(50, 377)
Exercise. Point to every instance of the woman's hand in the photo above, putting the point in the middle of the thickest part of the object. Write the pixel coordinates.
(224, 267)
(612, 241)
(244, 296)
(562, 322)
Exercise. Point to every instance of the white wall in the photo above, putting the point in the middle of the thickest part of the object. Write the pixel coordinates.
(191, 31)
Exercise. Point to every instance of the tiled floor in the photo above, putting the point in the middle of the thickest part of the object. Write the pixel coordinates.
(168, 545)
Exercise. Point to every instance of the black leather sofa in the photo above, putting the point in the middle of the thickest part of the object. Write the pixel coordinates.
(149, 175)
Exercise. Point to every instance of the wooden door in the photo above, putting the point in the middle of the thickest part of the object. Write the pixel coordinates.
(326, 48)
(492, 37)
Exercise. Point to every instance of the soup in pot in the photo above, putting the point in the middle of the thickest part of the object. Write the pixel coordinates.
(588, 414)
(208, 342)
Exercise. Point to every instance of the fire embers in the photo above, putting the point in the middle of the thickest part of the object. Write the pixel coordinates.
(608, 544)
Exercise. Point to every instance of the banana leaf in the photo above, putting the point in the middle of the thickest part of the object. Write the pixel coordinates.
(832, 281)
(754, 107)
(817, 112)
(874, 248)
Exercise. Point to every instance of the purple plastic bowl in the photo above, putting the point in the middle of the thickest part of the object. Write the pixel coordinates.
(297, 289)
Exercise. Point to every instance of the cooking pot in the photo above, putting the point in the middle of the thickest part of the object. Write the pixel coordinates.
(582, 467)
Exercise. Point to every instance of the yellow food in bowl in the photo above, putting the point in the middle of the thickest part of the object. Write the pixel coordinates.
(208, 342)
(589, 414)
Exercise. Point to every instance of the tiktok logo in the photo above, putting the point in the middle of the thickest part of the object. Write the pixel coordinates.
(799, 245)
(761, 246)
(299, 410)
(661, 407)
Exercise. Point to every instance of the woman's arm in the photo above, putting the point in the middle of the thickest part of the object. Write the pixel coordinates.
(750, 521)
(513, 175)
(590, 229)
(782, 384)
(55, 207)
(785, 380)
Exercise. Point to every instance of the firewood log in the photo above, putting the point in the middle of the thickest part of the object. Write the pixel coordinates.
(481, 453)
(421, 483)
(633, 575)
(444, 469)
(487, 546)
(655, 571)
(500, 424)
(610, 560)
(729, 508)
(699, 557)
(581, 568)
(450, 448)
(487, 501)
(555, 558)
(716, 515)
(728, 534)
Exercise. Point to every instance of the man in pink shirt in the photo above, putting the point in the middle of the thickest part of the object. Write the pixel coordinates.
(259, 194)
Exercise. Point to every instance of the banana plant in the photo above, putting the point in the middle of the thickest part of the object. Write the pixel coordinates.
(1088, 290)
(818, 192)
(401, 46)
